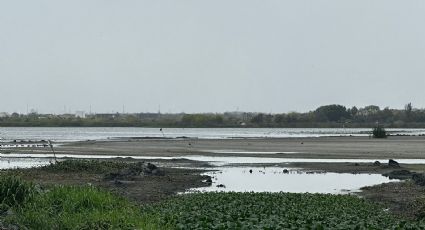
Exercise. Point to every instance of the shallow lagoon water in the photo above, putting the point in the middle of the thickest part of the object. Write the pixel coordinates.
(66, 134)
(11, 163)
(239, 179)
(216, 161)
(274, 179)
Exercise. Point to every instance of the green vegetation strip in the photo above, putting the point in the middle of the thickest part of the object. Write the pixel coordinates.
(68, 207)
(274, 211)
(88, 166)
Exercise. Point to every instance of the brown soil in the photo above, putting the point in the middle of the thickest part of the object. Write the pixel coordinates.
(324, 147)
(356, 167)
(404, 199)
(143, 189)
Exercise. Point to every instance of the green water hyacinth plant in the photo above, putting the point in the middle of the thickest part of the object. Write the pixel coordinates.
(274, 211)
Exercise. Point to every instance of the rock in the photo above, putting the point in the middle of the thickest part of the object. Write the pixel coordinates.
(285, 171)
(393, 163)
(221, 186)
(208, 180)
(356, 164)
(376, 163)
(250, 171)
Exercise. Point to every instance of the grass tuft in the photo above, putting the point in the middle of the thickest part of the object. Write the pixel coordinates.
(69, 207)
(15, 191)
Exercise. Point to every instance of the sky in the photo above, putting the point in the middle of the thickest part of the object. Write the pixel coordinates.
(210, 56)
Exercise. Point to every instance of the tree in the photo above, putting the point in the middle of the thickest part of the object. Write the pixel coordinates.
(354, 111)
(408, 109)
(331, 113)
(258, 119)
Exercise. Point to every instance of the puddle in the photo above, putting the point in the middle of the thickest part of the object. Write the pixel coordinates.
(11, 163)
(8, 146)
(216, 161)
(273, 179)
(248, 152)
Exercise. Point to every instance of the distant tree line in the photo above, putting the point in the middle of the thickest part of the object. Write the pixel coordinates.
(324, 116)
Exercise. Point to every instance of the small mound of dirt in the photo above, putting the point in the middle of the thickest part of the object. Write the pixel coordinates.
(376, 163)
(419, 179)
(134, 171)
(399, 174)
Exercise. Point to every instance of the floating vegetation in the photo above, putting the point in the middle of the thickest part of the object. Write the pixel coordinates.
(274, 211)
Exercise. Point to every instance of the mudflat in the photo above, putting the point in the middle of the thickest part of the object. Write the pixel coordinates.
(398, 147)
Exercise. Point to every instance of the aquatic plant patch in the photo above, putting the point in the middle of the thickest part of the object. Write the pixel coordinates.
(273, 211)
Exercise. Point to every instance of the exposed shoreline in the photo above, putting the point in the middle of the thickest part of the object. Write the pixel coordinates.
(397, 147)
(394, 147)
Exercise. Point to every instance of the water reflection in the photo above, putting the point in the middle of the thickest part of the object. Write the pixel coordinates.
(65, 134)
(12, 163)
(216, 161)
(256, 179)
(274, 179)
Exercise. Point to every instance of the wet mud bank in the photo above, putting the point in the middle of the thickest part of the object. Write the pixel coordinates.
(140, 181)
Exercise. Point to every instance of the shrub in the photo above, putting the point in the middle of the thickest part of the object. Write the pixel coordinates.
(379, 132)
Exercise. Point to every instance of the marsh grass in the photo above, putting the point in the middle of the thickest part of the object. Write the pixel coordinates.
(69, 207)
(88, 207)
(94, 166)
(15, 191)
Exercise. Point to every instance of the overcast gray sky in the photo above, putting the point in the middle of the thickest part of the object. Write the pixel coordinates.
(210, 56)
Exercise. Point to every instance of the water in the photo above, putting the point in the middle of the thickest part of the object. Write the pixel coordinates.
(239, 179)
(273, 179)
(79, 134)
(215, 161)
(12, 163)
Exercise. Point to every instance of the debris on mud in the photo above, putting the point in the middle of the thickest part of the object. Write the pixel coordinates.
(419, 179)
(399, 174)
(133, 171)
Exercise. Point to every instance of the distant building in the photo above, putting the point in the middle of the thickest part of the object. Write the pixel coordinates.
(80, 114)
(104, 115)
(67, 116)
